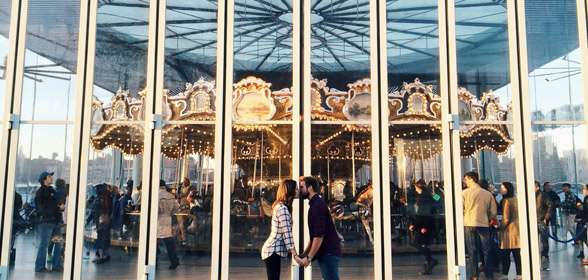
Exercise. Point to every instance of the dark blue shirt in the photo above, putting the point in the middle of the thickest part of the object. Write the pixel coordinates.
(320, 224)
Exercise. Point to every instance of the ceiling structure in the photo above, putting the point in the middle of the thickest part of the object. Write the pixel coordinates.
(263, 39)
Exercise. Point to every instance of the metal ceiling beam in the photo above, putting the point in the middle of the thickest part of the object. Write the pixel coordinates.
(360, 48)
(259, 37)
(331, 52)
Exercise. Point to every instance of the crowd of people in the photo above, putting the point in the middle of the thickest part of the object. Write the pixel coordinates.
(108, 213)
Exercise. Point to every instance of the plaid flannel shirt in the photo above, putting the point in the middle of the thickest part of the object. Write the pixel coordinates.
(280, 239)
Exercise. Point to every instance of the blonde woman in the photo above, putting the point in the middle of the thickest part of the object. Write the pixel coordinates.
(280, 240)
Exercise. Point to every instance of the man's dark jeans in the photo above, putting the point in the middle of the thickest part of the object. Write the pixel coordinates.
(329, 267)
(478, 242)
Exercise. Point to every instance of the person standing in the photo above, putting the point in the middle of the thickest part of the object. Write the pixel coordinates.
(422, 224)
(324, 244)
(544, 209)
(48, 214)
(479, 210)
(580, 220)
(556, 201)
(568, 208)
(510, 241)
(167, 206)
(585, 207)
(280, 240)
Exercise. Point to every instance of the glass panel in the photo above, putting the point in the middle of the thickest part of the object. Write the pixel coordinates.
(185, 204)
(50, 62)
(415, 150)
(38, 221)
(483, 68)
(262, 158)
(188, 149)
(262, 152)
(553, 55)
(559, 153)
(416, 164)
(5, 9)
(113, 203)
(341, 155)
(116, 156)
(489, 153)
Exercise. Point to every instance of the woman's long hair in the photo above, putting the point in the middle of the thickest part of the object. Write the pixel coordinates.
(286, 193)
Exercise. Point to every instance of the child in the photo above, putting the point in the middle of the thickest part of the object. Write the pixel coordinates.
(103, 240)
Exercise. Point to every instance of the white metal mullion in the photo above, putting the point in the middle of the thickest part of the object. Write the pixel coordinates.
(219, 172)
(14, 85)
(385, 148)
(158, 57)
(150, 179)
(296, 97)
(454, 160)
(376, 148)
(527, 131)
(307, 113)
(81, 143)
(522, 196)
(228, 140)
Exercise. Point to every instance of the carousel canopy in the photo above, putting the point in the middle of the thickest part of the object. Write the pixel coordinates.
(253, 100)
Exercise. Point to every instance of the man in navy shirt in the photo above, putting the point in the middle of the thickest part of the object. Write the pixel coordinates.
(324, 244)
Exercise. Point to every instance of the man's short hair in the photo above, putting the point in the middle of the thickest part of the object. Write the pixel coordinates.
(537, 184)
(473, 175)
(566, 185)
(545, 184)
(310, 181)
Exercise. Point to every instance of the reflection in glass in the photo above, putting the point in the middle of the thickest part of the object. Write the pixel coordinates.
(50, 62)
(188, 171)
(115, 164)
(39, 220)
(553, 55)
(113, 201)
(483, 68)
(488, 151)
(261, 153)
(262, 158)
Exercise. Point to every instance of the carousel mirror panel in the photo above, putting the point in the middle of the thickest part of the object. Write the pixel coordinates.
(416, 167)
(341, 117)
(261, 131)
(484, 97)
(50, 62)
(115, 164)
(553, 51)
(187, 143)
(38, 224)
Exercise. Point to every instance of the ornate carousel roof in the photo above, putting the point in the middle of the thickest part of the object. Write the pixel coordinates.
(253, 100)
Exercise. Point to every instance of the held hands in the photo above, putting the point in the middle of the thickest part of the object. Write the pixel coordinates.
(301, 261)
(411, 228)
(423, 230)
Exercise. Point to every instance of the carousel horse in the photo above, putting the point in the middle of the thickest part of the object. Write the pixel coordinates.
(358, 209)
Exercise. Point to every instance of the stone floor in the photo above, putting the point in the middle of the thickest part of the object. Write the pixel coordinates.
(564, 265)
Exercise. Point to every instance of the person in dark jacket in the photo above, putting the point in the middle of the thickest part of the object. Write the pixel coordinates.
(99, 214)
(422, 225)
(580, 220)
(48, 213)
(552, 222)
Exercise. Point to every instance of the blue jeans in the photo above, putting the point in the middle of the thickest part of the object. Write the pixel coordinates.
(44, 233)
(329, 267)
(478, 241)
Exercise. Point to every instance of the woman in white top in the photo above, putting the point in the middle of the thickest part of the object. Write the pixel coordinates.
(280, 240)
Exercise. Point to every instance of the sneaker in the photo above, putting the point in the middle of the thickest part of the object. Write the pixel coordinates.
(42, 270)
(174, 265)
(58, 269)
(426, 269)
(580, 256)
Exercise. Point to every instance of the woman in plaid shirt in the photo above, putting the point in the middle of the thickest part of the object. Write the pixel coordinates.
(280, 240)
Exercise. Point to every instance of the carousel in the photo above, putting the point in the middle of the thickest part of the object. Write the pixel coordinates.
(341, 154)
